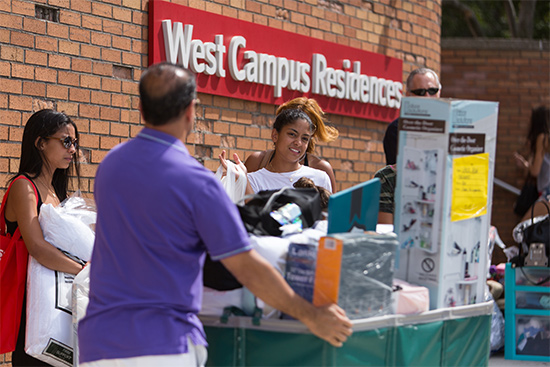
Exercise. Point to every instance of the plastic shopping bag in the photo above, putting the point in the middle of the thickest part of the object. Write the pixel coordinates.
(234, 182)
(80, 299)
(49, 333)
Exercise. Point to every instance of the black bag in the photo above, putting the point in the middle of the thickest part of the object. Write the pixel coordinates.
(527, 197)
(256, 212)
(538, 232)
(217, 277)
(535, 240)
(257, 220)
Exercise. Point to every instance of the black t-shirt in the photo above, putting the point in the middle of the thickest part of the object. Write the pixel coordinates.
(390, 142)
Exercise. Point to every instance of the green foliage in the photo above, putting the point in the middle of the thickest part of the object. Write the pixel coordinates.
(492, 18)
(542, 20)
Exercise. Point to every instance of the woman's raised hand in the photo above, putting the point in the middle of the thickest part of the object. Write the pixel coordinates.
(238, 162)
(520, 161)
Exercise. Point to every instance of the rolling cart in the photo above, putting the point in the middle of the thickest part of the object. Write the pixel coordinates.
(457, 336)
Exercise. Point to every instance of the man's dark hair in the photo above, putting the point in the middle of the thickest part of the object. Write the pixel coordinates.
(166, 90)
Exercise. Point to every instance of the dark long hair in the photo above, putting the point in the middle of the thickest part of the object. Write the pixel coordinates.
(289, 116)
(540, 119)
(42, 124)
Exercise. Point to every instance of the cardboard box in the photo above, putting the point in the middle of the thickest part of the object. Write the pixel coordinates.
(443, 198)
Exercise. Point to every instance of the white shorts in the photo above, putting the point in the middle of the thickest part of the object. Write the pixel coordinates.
(196, 356)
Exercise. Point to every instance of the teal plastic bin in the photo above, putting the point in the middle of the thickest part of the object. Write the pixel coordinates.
(527, 313)
(457, 336)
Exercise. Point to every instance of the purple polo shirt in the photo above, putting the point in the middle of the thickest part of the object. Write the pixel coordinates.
(158, 211)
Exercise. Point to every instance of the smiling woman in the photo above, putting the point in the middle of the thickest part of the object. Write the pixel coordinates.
(322, 133)
(292, 131)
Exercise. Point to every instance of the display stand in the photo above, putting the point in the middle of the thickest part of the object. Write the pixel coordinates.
(526, 314)
(458, 336)
(443, 196)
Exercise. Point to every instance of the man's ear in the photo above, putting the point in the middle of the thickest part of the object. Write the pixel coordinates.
(190, 112)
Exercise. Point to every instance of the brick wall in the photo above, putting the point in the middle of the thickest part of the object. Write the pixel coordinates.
(5, 360)
(515, 73)
(88, 64)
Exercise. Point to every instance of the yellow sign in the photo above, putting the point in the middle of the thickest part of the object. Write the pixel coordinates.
(470, 181)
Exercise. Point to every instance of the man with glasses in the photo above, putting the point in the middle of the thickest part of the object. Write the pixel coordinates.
(422, 82)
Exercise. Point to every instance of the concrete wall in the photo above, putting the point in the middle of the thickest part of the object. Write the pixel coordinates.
(515, 73)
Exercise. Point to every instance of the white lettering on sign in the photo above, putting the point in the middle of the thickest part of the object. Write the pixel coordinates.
(192, 54)
(278, 72)
(236, 43)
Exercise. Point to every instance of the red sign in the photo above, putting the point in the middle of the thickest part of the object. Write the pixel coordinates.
(239, 59)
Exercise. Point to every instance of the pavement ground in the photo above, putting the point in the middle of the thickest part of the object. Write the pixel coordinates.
(497, 360)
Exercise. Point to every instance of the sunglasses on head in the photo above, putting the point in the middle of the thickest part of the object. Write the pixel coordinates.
(66, 141)
(422, 92)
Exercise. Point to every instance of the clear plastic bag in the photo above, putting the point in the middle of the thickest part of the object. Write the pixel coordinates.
(497, 324)
(80, 299)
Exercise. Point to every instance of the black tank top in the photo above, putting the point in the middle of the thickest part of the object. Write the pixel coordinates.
(12, 226)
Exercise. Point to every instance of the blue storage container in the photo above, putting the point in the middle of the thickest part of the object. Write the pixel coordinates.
(527, 314)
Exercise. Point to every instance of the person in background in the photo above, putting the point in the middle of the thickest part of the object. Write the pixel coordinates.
(305, 182)
(158, 212)
(422, 82)
(322, 132)
(537, 163)
(291, 134)
(387, 194)
(49, 155)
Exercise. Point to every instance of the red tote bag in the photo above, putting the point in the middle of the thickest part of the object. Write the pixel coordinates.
(13, 275)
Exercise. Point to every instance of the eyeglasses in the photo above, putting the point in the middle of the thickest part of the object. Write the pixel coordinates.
(66, 141)
(422, 92)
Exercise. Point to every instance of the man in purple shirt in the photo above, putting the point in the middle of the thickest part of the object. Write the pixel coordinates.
(159, 211)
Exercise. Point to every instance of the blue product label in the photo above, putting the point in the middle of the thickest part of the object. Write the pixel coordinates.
(300, 269)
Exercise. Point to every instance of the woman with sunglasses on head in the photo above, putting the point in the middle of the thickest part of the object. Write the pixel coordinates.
(322, 132)
(291, 135)
(49, 153)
